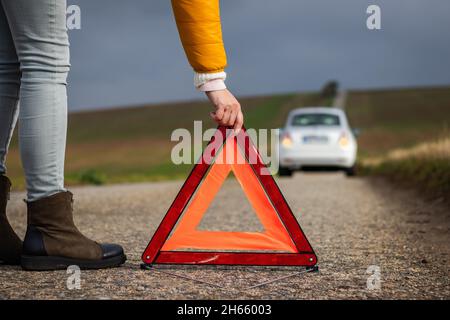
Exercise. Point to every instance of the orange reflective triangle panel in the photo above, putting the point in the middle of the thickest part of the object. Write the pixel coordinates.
(178, 240)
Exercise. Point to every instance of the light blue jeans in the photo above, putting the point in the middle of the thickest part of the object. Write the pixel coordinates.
(34, 63)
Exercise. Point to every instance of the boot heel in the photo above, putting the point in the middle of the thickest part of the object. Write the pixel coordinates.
(10, 244)
(48, 263)
(42, 263)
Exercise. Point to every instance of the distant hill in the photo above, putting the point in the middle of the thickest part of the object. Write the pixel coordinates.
(399, 118)
(133, 144)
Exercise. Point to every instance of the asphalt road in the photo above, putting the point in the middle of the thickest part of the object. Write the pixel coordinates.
(353, 224)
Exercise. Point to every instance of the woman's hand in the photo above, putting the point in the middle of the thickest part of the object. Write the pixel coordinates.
(228, 110)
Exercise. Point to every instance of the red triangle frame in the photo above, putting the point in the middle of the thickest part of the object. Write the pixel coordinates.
(304, 256)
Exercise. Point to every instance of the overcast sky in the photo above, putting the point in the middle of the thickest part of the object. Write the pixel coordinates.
(128, 52)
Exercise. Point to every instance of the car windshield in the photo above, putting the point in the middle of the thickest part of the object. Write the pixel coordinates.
(315, 119)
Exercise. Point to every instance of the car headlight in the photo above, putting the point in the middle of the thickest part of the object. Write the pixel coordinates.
(344, 141)
(286, 141)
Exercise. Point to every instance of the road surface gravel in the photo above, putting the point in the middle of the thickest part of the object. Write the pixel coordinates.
(357, 227)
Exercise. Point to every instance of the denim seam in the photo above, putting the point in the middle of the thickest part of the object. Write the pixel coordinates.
(55, 116)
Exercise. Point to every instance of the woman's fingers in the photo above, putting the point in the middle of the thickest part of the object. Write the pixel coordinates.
(228, 110)
(238, 123)
(226, 117)
(232, 120)
(219, 114)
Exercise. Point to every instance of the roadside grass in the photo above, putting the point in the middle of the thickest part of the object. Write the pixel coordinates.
(425, 166)
(404, 136)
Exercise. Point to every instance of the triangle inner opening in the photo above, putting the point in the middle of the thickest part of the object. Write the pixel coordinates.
(230, 211)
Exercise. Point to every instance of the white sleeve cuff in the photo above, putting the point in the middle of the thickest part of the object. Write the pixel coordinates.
(212, 85)
(202, 78)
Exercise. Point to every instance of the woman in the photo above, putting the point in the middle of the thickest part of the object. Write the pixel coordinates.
(34, 63)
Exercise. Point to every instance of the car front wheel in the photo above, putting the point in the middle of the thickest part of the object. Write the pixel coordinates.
(284, 172)
(350, 172)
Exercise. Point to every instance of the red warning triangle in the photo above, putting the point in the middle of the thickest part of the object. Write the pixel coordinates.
(281, 243)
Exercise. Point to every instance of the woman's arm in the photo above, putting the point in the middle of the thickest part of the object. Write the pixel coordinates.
(198, 23)
(200, 30)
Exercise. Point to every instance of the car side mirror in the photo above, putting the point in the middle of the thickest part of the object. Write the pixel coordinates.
(356, 132)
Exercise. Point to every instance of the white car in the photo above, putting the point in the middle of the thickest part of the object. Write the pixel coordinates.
(317, 138)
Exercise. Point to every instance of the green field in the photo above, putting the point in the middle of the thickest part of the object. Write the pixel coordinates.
(133, 144)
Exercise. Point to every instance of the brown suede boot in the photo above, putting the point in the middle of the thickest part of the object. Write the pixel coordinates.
(10, 244)
(53, 241)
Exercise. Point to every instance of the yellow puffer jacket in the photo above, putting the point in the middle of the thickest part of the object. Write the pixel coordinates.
(198, 23)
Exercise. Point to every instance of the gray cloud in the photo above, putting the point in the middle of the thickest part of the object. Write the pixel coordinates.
(129, 52)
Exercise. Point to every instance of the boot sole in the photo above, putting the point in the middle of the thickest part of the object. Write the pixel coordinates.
(9, 263)
(49, 263)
